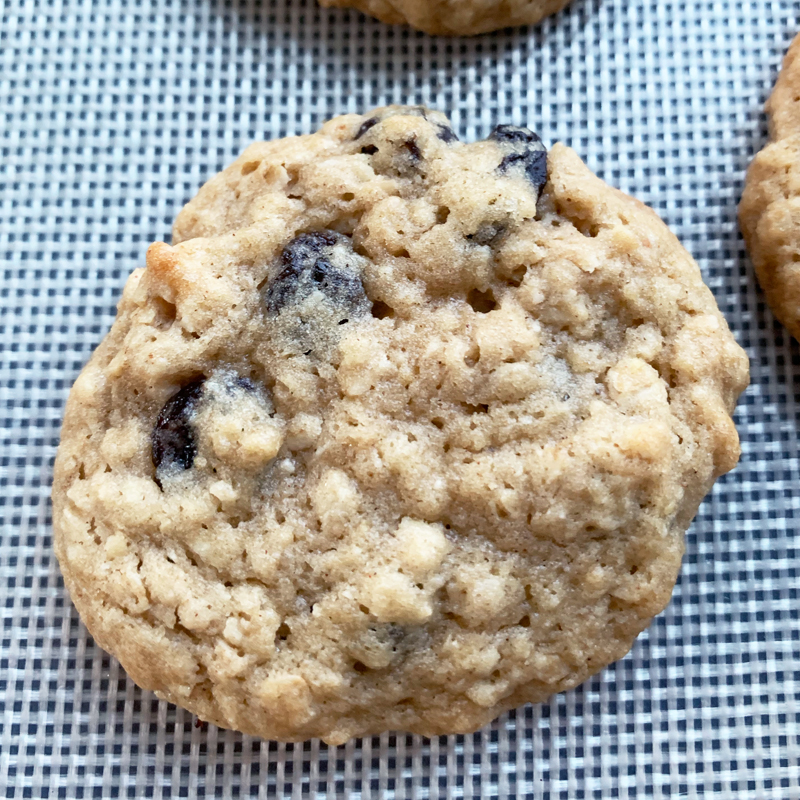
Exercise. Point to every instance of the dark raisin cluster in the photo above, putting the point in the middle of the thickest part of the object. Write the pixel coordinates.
(173, 440)
(527, 153)
(320, 261)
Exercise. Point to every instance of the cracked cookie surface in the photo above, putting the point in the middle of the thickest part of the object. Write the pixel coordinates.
(400, 433)
(769, 213)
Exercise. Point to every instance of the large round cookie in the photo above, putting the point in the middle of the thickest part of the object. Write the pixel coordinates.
(455, 17)
(401, 433)
(769, 214)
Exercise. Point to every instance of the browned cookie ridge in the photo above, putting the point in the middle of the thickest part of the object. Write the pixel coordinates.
(769, 214)
(400, 433)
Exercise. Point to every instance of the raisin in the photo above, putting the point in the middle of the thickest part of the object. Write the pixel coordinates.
(396, 634)
(527, 152)
(447, 135)
(390, 633)
(534, 164)
(513, 134)
(244, 383)
(412, 149)
(489, 233)
(323, 261)
(173, 441)
(366, 125)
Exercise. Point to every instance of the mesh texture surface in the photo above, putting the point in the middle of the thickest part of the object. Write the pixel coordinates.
(113, 112)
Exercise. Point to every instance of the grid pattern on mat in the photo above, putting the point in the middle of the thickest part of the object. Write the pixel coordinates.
(112, 112)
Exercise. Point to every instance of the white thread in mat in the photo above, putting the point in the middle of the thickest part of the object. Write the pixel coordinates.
(115, 111)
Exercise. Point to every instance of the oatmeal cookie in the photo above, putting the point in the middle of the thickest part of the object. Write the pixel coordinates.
(400, 433)
(455, 17)
(769, 214)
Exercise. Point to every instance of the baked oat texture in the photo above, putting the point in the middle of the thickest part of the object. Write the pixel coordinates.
(769, 214)
(400, 433)
(455, 17)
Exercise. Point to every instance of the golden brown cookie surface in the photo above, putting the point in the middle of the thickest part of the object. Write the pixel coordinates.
(455, 17)
(402, 432)
(769, 214)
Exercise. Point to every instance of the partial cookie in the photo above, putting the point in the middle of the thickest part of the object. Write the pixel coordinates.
(769, 214)
(401, 433)
(455, 17)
